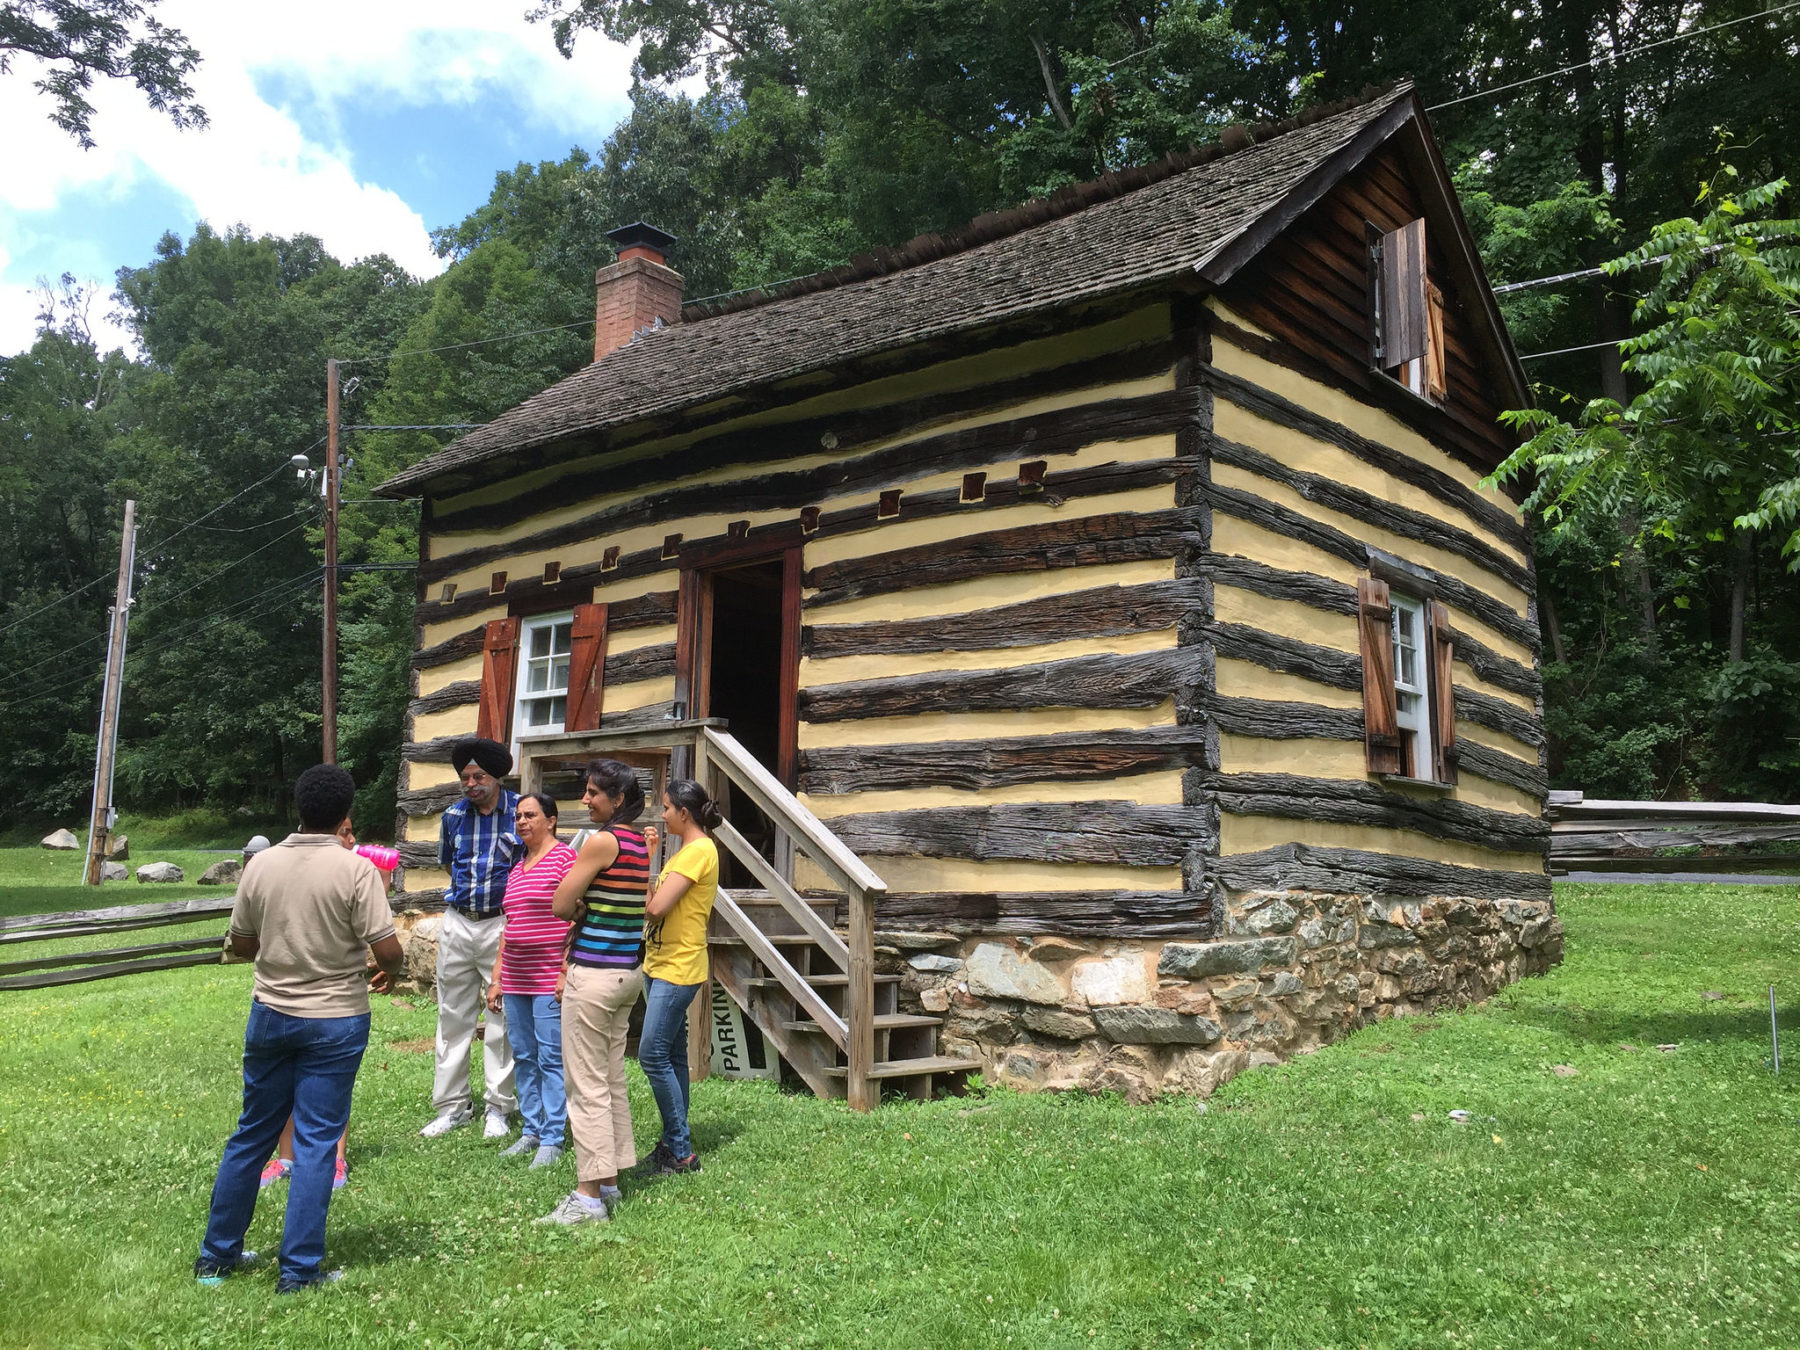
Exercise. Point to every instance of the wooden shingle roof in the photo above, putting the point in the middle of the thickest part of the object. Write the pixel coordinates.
(1201, 213)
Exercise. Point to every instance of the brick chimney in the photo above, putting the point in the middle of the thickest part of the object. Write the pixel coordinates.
(637, 292)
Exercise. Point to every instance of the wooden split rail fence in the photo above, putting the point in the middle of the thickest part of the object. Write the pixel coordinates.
(43, 972)
(1590, 835)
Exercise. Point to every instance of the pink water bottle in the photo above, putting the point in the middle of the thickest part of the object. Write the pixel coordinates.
(387, 859)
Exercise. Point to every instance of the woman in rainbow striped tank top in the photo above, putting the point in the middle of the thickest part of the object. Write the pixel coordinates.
(603, 895)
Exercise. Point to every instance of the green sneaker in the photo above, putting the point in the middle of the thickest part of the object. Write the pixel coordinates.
(212, 1274)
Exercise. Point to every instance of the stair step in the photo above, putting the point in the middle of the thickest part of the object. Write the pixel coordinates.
(883, 1022)
(778, 939)
(904, 1068)
(817, 981)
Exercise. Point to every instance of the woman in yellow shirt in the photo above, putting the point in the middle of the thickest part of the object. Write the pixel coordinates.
(675, 968)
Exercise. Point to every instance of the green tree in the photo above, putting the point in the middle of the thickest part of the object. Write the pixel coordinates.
(77, 42)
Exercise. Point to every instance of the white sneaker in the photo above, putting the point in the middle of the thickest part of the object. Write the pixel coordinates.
(574, 1210)
(454, 1118)
(496, 1126)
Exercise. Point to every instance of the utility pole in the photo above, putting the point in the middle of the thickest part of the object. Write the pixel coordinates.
(100, 823)
(328, 719)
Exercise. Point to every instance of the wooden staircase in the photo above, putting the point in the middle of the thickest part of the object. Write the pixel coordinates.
(811, 991)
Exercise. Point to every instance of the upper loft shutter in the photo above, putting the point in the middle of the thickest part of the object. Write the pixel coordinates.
(1436, 386)
(1405, 312)
(499, 668)
(587, 668)
(1374, 622)
(1443, 693)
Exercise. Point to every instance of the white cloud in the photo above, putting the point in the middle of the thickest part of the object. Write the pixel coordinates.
(255, 164)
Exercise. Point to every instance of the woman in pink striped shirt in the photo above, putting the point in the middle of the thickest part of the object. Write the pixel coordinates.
(527, 979)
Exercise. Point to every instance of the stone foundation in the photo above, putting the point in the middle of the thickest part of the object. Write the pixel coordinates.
(1295, 971)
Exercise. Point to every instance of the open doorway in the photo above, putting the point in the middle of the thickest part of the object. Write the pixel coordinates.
(744, 667)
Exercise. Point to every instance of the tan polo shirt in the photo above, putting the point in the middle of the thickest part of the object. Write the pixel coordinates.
(315, 907)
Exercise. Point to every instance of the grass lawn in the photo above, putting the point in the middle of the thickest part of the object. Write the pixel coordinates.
(1648, 1198)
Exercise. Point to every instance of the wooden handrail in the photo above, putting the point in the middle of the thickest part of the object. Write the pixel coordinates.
(716, 750)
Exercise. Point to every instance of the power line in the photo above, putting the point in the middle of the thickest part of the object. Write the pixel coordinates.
(1564, 351)
(1613, 56)
(251, 607)
(95, 581)
(413, 426)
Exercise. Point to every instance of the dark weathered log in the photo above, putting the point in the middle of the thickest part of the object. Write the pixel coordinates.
(849, 429)
(1142, 680)
(1349, 801)
(1071, 913)
(1347, 871)
(466, 643)
(641, 611)
(1496, 669)
(1597, 837)
(457, 694)
(1084, 541)
(422, 902)
(1498, 715)
(121, 916)
(418, 853)
(646, 663)
(1454, 591)
(1104, 611)
(1068, 757)
(87, 974)
(437, 751)
(1228, 569)
(1272, 406)
(102, 955)
(1499, 767)
(1371, 510)
(1281, 720)
(1122, 832)
(425, 801)
(1039, 435)
(1710, 862)
(1322, 665)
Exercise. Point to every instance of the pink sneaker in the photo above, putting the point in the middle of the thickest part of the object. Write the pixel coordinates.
(279, 1169)
(341, 1177)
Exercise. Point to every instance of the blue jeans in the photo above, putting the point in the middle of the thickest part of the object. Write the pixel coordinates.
(663, 1056)
(534, 1026)
(299, 1066)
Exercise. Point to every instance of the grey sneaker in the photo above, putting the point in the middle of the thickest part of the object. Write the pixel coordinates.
(573, 1210)
(455, 1118)
(523, 1144)
(546, 1156)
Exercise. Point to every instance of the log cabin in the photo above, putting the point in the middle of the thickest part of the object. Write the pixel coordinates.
(1113, 666)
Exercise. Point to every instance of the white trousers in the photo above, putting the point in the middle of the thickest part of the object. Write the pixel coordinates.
(466, 951)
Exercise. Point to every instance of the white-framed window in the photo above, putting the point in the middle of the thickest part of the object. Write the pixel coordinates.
(545, 642)
(1412, 689)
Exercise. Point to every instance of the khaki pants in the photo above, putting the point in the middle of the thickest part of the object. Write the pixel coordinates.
(466, 951)
(596, 1012)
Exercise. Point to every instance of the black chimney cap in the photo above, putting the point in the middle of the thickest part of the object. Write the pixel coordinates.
(640, 235)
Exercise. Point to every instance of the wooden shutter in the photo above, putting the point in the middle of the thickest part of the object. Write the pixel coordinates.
(1436, 386)
(1381, 729)
(499, 668)
(1405, 317)
(587, 668)
(1443, 692)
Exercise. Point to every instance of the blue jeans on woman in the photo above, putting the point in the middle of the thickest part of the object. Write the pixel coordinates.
(534, 1026)
(663, 1056)
(299, 1066)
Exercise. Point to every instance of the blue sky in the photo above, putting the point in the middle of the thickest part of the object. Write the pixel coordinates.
(368, 125)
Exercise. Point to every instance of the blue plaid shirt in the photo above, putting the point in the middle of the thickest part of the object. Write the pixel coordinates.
(479, 851)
